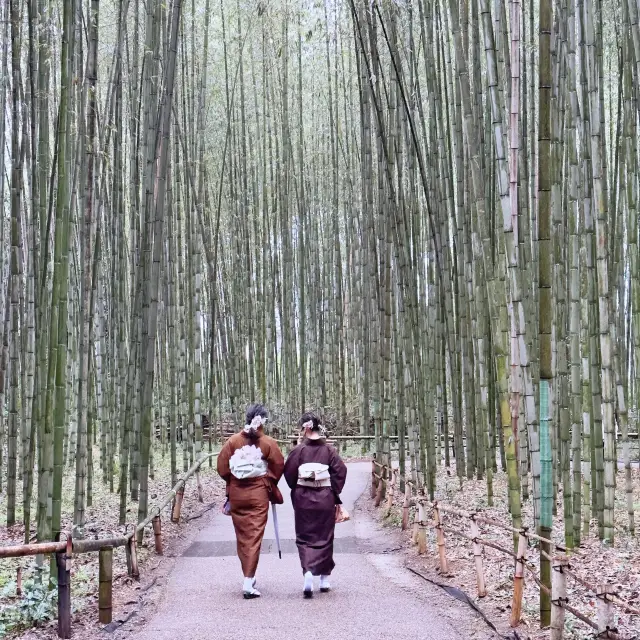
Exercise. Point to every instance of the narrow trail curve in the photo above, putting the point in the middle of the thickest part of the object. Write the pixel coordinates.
(371, 599)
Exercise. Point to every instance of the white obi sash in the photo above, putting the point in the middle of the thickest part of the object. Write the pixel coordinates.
(314, 474)
(248, 462)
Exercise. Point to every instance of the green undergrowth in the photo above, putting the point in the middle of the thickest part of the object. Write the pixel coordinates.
(36, 606)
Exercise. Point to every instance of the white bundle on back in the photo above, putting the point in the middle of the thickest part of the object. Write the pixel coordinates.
(314, 474)
(248, 462)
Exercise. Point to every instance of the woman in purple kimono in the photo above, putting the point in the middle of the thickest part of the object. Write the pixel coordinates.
(316, 475)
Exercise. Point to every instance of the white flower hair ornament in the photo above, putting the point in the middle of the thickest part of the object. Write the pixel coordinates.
(309, 425)
(257, 422)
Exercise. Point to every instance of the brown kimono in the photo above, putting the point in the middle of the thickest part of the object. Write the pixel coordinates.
(249, 498)
(315, 507)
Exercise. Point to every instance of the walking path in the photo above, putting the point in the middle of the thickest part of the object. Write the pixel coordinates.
(370, 598)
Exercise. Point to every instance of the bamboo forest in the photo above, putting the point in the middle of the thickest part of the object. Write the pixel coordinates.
(418, 218)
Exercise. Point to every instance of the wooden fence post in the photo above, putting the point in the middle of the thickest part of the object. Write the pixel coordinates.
(63, 562)
(199, 485)
(374, 480)
(177, 505)
(132, 559)
(477, 554)
(391, 494)
(421, 533)
(157, 532)
(604, 609)
(442, 552)
(105, 585)
(405, 506)
(518, 581)
(558, 596)
(380, 487)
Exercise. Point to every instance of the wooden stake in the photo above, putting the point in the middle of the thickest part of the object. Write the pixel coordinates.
(177, 505)
(405, 506)
(442, 552)
(477, 554)
(421, 537)
(391, 494)
(558, 596)
(518, 581)
(604, 609)
(63, 562)
(374, 480)
(105, 585)
(380, 488)
(199, 485)
(157, 532)
(19, 581)
(132, 559)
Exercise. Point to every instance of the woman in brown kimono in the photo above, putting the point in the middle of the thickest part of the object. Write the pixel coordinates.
(249, 497)
(314, 501)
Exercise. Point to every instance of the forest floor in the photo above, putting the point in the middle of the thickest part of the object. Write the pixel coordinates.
(595, 562)
(33, 615)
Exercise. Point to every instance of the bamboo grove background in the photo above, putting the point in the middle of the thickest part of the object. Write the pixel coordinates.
(419, 217)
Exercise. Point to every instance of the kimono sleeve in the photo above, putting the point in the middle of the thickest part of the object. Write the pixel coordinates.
(291, 468)
(338, 471)
(275, 462)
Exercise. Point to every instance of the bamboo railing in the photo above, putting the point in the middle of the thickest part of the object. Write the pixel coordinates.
(385, 479)
(65, 549)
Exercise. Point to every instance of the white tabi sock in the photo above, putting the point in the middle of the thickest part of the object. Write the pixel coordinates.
(324, 583)
(248, 586)
(308, 582)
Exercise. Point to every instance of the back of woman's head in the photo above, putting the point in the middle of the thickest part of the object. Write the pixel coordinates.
(310, 420)
(256, 410)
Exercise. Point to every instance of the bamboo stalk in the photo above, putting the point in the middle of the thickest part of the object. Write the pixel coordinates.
(373, 479)
(518, 582)
(42, 548)
(421, 531)
(391, 494)
(132, 559)
(558, 596)
(379, 491)
(87, 546)
(199, 486)
(405, 506)
(63, 561)
(442, 552)
(105, 588)
(477, 554)
(604, 609)
(157, 532)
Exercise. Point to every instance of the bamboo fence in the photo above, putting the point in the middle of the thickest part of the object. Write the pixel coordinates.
(385, 480)
(65, 549)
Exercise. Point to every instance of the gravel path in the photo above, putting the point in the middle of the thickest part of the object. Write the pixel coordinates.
(372, 597)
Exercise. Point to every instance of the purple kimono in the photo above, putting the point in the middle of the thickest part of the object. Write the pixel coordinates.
(315, 507)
